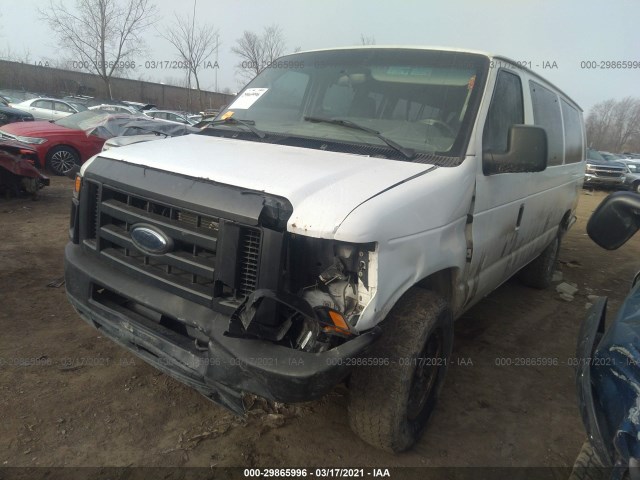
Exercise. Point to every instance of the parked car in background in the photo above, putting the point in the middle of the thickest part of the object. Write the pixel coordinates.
(632, 175)
(49, 108)
(141, 107)
(147, 130)
(114, 108)
(17, 96)
(170, 116)
(10, 115)
(68, 142)
(17, 169)
(608, 360)
(601, 172)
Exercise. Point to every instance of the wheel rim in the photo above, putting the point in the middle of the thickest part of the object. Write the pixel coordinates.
(62, 161)
(425, 377)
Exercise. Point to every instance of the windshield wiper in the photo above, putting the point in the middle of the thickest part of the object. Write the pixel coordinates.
(408, 153)
(234, 121)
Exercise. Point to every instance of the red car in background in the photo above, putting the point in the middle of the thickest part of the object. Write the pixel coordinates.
(71, 140)
(17, 170)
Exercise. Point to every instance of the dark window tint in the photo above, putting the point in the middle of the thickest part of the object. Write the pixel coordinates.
(573, 145)
(506, 109)
(546, 114)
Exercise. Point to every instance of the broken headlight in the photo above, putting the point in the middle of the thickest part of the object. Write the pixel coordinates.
(326, 285)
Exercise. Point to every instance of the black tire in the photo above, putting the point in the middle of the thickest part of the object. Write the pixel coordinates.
(390, 405)
(539, 272)
(588, 466)
(61, 159)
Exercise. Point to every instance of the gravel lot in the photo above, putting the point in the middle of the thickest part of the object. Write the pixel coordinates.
(71, 397)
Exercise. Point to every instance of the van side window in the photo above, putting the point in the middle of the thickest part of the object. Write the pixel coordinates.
(506, 109)
(546, 114)
(573, 143)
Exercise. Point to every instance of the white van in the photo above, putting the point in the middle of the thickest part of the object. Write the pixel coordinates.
(331, 224)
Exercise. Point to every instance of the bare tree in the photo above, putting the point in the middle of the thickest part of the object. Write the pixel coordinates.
(104, 36)
(258, 51)
(614, 125)
(194, 43)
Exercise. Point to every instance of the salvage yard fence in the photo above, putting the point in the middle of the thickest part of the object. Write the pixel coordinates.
(57, 82)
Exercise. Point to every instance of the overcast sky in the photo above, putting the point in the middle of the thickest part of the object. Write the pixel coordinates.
(537, 31)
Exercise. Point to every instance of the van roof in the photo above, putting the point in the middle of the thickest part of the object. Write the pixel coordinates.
(450, 49)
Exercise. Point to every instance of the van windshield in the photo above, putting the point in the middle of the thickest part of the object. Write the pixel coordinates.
(422, 100)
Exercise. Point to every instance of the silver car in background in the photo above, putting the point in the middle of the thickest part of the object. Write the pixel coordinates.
(49, 108)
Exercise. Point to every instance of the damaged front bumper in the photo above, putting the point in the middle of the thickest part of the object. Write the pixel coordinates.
(138, 316)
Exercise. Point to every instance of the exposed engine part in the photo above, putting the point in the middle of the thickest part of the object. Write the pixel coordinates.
(338, 295)
(319, 314)
(335, 272)
(307, 340)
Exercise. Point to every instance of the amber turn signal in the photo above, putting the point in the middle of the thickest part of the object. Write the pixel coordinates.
(77, 186)
(339, 323)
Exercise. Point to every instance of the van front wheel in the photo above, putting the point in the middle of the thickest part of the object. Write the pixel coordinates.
(392, 396)
(539, 272)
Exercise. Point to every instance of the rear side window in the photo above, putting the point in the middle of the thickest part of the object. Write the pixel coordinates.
(62, 107)
(546, 114)
(573, 143)
(46, 104)
(506, 109)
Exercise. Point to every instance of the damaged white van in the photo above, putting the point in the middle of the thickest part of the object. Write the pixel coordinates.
(329, 226)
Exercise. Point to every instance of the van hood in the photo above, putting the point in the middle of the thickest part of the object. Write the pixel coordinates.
(323, 187)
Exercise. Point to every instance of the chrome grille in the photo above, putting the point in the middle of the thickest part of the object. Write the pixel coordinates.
(610, 172)
(188, 269)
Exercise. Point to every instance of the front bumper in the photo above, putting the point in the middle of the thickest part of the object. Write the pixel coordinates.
(590, 179)
(222, 370)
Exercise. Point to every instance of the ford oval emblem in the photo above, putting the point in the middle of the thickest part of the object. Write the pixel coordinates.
(150, 240)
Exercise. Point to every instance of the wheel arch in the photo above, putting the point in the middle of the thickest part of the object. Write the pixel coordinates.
(58, 145)
(441, 282)
(566, 222)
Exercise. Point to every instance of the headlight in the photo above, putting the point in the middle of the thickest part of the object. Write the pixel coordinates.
(31, 140)
(590, 168)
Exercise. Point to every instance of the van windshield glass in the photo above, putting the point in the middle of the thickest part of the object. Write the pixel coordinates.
(422, 100)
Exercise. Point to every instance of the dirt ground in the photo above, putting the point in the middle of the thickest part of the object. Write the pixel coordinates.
(69, 397)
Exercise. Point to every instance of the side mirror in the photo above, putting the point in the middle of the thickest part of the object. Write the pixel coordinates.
(526, 152)
(615, 220)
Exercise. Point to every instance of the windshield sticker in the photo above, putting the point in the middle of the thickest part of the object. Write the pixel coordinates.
(229, 114)
(248, 98)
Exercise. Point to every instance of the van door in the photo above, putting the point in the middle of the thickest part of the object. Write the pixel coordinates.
(500, 201)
